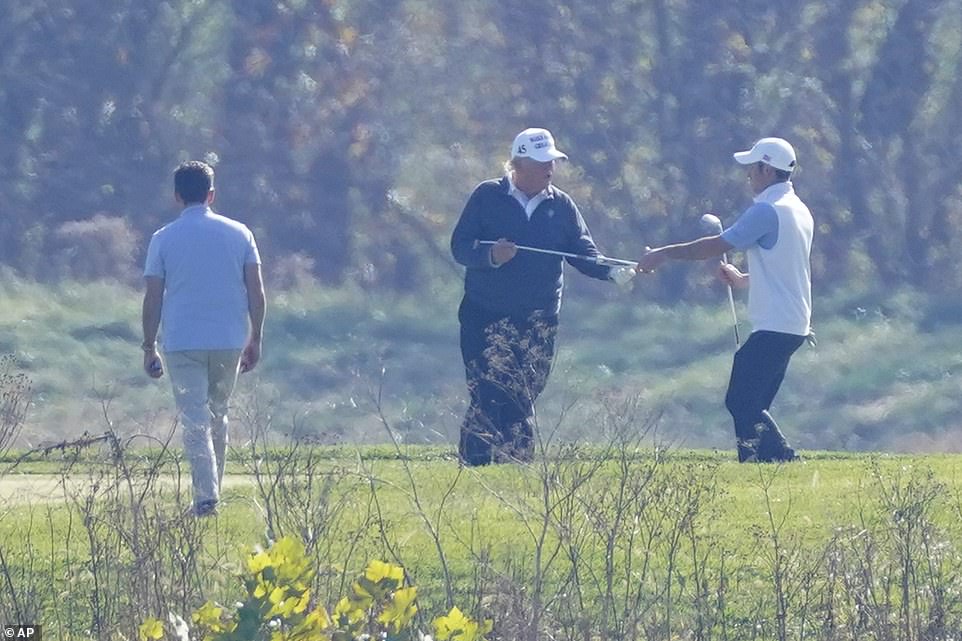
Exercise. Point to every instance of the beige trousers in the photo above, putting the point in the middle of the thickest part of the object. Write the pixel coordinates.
(203, 381)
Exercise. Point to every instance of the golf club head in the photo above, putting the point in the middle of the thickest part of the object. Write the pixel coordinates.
(712, 222)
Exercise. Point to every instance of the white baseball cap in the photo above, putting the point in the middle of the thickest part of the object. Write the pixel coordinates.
(771, 151)
(537, 144)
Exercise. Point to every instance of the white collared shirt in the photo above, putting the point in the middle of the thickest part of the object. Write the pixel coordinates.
(529, 204)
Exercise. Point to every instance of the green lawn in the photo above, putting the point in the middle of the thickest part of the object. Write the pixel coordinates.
(621, 532)
(884, 376)
(616, 540)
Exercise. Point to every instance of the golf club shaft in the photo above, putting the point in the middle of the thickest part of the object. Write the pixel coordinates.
(713, 222)
(731, 303)
(601, 260)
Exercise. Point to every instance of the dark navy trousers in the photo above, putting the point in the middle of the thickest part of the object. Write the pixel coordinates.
(507, 360)
(757, 372)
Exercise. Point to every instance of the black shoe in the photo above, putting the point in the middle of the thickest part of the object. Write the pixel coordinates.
(747, 450)
(782, 455)
(787, 455)
(747, 456)
(513, 455)
(772, 446)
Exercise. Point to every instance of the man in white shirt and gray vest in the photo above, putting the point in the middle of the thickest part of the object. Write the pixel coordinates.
(204, 288)
(776, 235)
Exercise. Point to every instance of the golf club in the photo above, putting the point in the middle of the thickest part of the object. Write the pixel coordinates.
(599, 259)
(712, 223)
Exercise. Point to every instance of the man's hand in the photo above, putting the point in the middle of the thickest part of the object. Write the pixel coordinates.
(622, 274)
(652, 260)
(250, 356)
(502, 251)
(152, 364)
(729, 274)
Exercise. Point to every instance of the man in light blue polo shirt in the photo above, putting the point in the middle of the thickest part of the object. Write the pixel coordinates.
(204, 288)
(776, 235)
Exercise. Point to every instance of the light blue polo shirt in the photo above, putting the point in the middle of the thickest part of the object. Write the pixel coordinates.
(201, 257)
(757, 225)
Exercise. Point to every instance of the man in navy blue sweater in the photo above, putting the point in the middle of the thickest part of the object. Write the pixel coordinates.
(509, 313)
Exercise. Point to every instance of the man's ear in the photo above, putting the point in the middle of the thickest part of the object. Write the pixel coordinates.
(210, 197)
(177, 198)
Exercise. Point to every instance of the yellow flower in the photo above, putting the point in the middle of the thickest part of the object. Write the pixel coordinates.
(399, 612)
(150, 629)
(365, 593)
(290, 606)
(263, 588)
(346, 612)
(455, 625)
(445, 626)
(317, 620)
(287, 548)
(277, 595)
(290, 561)
(301, 604)
(208, 615)
(257, 562)
(377, 571)
(377, 583)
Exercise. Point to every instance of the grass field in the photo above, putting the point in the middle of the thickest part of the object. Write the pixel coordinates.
(884, 376)
(620, 531)
(620, 541)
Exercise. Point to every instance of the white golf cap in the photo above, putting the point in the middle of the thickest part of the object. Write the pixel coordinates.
(771, 151)
(537, 144)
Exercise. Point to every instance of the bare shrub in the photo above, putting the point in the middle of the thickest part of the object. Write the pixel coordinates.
(291, 271)
(24, 583)
(298, 492)
(127, 548)
(15, 394)
(99, 247)
(900, 570)
(431, 519)
(611, 541)
(795, 571)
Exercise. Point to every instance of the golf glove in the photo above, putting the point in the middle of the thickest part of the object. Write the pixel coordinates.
(622, 275)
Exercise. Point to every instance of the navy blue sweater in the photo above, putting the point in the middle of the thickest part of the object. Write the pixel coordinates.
(530, 281)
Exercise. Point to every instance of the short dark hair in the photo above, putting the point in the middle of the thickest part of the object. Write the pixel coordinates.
(193, 180)
(780, 174)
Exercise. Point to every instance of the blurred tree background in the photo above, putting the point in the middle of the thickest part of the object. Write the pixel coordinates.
(349, 133)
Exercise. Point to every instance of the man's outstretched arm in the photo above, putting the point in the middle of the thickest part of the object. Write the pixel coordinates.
(699, 249)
